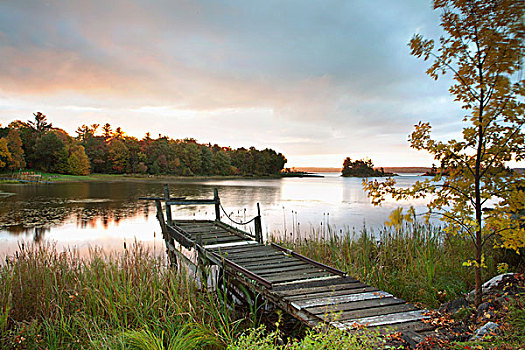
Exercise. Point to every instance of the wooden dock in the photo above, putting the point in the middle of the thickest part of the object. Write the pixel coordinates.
(310, 291)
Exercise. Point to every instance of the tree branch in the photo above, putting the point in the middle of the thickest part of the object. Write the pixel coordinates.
(500, 150)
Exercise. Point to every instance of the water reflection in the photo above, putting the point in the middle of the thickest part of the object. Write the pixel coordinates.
(105, 214)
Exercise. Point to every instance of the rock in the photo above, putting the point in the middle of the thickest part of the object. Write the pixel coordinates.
(460, 333)
(490, 286)
(454, 305)
(484, 307)
(485, 310)
(490, 328)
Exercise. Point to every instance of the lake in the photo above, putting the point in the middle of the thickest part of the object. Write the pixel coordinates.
(106, 214)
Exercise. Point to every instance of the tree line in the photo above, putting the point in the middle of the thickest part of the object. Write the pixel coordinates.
(36, 144)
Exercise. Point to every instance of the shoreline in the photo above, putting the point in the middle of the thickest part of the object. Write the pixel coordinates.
(59, 178)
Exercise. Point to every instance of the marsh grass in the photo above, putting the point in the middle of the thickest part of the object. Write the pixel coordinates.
(58, 300)
(51, 299)
(415, 262)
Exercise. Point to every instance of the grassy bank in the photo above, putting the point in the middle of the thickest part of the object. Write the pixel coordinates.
(58, 300)
(417, 262)
(60, 178)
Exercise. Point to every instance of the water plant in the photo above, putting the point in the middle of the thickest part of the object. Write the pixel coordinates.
(57, 299)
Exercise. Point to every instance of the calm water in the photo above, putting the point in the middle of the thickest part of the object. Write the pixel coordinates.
(107, 214)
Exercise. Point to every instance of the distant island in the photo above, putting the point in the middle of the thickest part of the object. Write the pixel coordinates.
(362, 168)
(395, 170)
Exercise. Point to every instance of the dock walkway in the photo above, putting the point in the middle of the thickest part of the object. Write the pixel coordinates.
(310, 291)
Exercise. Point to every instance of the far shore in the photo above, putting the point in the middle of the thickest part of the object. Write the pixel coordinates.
(60, 178)
(6, 178)
(297, 172)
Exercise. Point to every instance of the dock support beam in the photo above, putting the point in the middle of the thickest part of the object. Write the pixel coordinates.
(168, 207)
(258, 225)
(160, 217)
(172, 258)
(217, 204)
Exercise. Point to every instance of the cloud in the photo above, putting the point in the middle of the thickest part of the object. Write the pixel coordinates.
(331, 76)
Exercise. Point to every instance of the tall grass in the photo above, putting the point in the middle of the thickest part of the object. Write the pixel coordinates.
(52, 299)
(416, 262)
(57, 300)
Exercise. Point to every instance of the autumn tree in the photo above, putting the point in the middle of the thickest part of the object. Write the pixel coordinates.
(40, 125)
(191, 157)
(78, 161)
(50, 154)
(95, 147)
(482, 48)
(29, 133)
(118, 133)
(5, 155)
(221, 163)
(207, 165)
(118, 154)
(84, 133)
(14, 144)
(107, 132)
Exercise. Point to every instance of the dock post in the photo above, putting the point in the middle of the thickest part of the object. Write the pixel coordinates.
(258, 225)
(172, 258)
(168, 207)
(217, 205)
(160, 217)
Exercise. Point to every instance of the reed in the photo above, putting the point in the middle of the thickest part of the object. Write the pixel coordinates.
(57, 299)
(52, 299)
(416, 261)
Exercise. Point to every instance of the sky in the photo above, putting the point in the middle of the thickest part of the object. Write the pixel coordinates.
(315, 80)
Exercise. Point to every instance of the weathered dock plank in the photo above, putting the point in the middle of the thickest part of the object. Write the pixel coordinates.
(341, 299)
(374, 311)
(295, 276)
(382, 320)
(261, 269)
(272, 263)
(356, 305)
(321, 289)
(357, 290)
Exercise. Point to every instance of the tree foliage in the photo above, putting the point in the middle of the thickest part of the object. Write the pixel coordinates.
(110, 150)
(11, 153)
(361, 168)
(40, 124)
(14, 144)
(5, 155)
(482, 48)
(78, 162)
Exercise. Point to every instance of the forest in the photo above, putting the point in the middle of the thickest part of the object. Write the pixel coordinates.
(36, 144)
